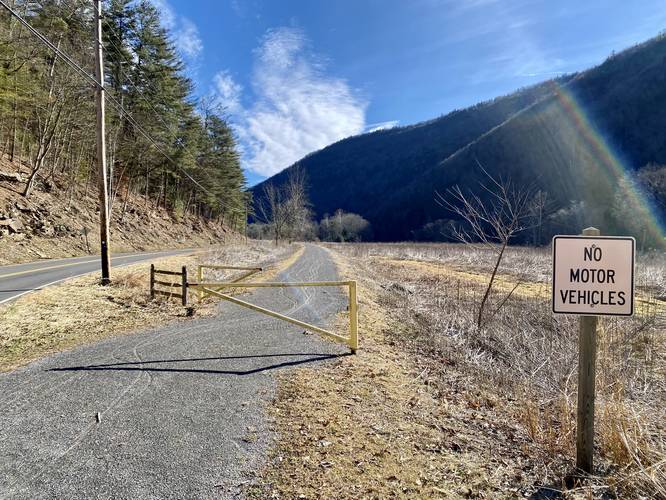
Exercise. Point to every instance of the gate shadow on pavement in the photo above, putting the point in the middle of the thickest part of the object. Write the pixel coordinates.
(139, 365)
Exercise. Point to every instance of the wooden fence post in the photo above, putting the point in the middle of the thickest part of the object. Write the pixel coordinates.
(200, 292)
(587, 359)
(152, 281)
(353, 318)
(184, 286)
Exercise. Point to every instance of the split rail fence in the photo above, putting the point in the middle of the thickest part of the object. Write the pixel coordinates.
(182, 284)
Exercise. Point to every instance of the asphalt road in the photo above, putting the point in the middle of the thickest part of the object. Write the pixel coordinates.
(19, 279)
(183, 407)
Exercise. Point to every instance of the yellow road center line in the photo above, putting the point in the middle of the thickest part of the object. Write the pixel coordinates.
(48, 268)
(70, 264)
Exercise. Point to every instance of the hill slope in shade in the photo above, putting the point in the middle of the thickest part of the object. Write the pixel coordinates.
(572, 138)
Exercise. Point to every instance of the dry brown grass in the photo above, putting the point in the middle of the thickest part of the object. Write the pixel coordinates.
(373, 426)
(528, 357)
(82, 311)
(434, 407)
(532, 265)
(256, 253)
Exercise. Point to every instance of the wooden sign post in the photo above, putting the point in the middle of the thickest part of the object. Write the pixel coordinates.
(592, 276)
(587, 376)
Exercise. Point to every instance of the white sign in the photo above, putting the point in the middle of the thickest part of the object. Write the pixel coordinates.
(593, 275)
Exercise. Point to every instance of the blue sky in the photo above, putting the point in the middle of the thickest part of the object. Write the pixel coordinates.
(296, 75)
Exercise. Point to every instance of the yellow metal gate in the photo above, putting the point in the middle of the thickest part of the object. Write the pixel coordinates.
(213, 289)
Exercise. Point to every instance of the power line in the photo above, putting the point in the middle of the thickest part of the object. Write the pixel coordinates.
(173, 134)
(100, 85)
(50, 45)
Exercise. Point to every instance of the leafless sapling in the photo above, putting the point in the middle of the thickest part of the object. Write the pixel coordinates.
(491, 217)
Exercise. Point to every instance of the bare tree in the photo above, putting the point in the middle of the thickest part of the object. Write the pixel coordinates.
(271, 210)
(540, 207)
(343, 226)
(492, 221)
(297, 207)
(285, 209)
(47, 113)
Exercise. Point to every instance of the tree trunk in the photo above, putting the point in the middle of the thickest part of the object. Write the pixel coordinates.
(490, 284)
(22, 146)
(31, 179)
(145, 195)
(127, 196)
(85, 193)
(12, 151)
(166, 187)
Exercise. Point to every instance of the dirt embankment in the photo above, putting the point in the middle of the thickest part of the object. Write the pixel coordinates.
(61, 219)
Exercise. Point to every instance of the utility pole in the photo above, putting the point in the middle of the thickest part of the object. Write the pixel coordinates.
(101, 149)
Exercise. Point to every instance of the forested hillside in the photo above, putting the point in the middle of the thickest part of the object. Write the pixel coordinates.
(164, 145)
(589, 147)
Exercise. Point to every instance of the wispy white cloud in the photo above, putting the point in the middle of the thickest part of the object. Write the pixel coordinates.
(374, 127)
(167, 14)
(297, 108)
(185, 33)
(227, 92)
(187, 39)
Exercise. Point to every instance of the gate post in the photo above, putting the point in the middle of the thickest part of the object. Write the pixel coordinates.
(353, 318)
(200, 292)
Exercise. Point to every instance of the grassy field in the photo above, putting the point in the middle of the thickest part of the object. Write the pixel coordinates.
(434, 406)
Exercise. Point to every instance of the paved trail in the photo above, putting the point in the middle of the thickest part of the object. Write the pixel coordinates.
(182, 406)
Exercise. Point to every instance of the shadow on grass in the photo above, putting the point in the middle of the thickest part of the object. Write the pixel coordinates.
(140, 365)
(561, 489)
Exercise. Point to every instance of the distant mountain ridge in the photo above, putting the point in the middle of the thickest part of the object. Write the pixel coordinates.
(567, 137)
